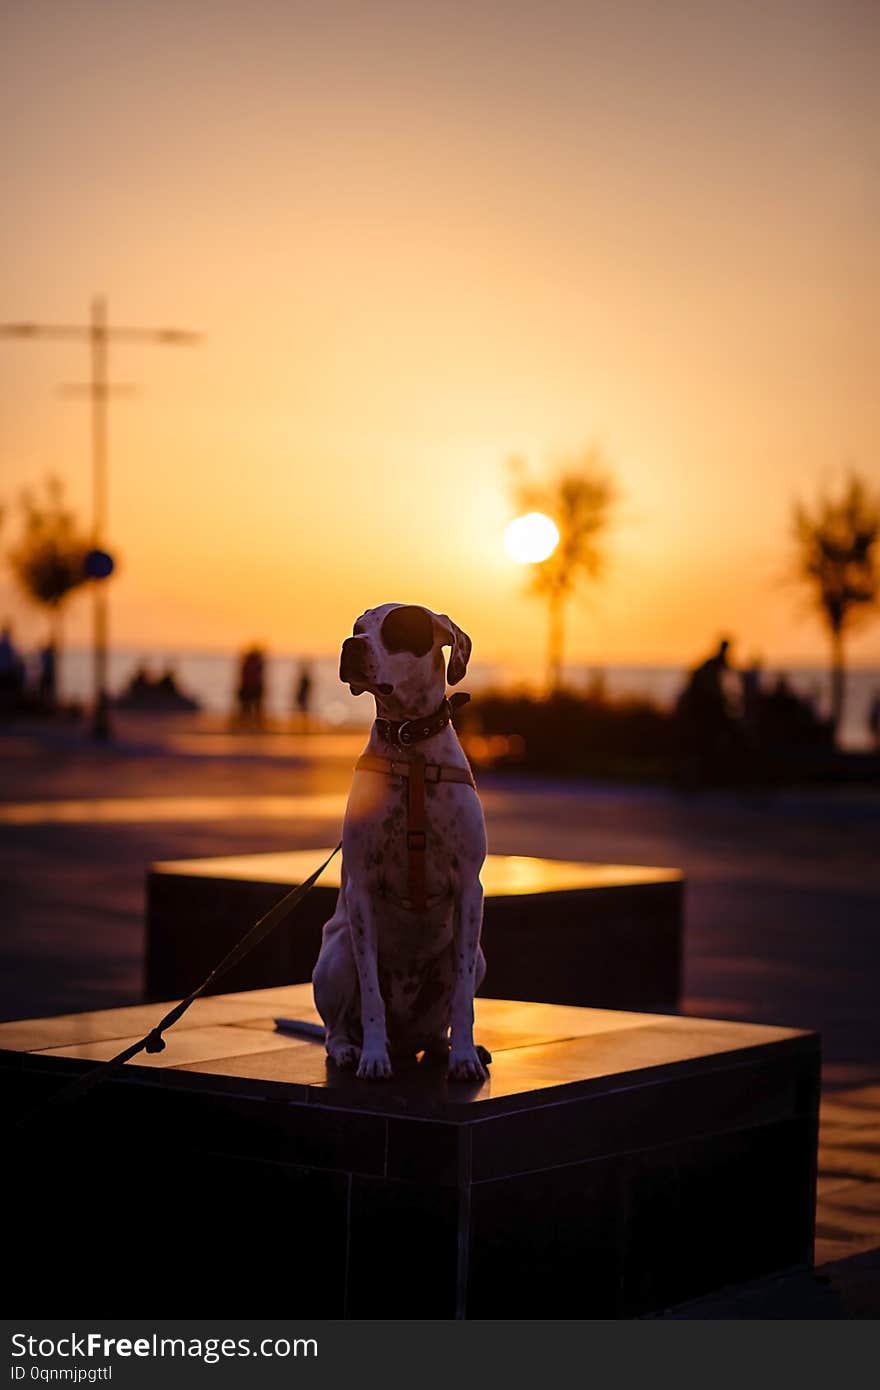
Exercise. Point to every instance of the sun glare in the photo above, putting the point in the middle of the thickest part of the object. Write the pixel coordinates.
(531, 538)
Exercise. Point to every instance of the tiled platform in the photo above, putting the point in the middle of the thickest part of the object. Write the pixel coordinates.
(615, 1164)
(848, 1212)
(559, 932)
(845, 1284)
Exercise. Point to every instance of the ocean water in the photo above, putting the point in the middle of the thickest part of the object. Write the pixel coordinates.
(211, 677)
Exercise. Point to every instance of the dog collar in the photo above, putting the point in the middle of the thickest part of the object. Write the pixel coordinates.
(404, 732)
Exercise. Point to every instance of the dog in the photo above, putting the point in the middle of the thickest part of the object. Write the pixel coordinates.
(400, 958)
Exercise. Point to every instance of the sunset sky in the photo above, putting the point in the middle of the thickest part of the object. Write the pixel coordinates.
(422, 236)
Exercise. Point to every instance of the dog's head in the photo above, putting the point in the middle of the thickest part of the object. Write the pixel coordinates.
(396, 652)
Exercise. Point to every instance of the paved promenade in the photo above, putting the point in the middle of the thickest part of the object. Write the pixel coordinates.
(782, 915)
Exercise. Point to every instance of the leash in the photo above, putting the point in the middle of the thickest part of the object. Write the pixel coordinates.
(154, 1041)
(417, 771)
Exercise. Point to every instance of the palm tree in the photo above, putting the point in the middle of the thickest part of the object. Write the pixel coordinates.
(579, 498)
(49, 560)
(837, 558)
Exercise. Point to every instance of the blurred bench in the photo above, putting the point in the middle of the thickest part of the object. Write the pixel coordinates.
(606, 935)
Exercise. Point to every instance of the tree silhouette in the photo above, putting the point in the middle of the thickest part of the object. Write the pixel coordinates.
(579, 497)
(837, 558)
(49, 559)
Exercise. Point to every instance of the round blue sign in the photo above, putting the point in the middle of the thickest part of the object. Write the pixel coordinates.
(98, 564)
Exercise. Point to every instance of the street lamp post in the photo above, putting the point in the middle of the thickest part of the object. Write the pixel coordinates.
(99, 391)
(99, 334)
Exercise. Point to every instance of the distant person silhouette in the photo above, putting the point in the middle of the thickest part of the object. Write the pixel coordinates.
(707, 692)
(874, 719)
(12, 671)
(251, 687)
(47, 692)
(790, 719)
(142, 680)
(706, 720)
(750, 691)
(167, 682)
(303, 693)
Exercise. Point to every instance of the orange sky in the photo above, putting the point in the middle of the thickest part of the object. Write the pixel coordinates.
(421, 237)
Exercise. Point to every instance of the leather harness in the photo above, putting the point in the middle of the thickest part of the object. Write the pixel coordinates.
(417, 771)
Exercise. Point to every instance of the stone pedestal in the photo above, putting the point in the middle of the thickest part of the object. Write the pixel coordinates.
(615, 1164)
(607, 935)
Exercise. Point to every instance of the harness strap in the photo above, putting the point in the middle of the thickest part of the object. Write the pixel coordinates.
(417, 772)
(416, 837)
(434, 772)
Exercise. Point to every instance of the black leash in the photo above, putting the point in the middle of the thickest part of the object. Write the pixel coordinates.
(153, 1041)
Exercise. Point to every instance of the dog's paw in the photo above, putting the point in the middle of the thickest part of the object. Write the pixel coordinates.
(375, 1066)
(345, 1055)
(465, 1064)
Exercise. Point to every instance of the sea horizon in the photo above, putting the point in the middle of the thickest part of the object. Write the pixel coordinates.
(210, 677)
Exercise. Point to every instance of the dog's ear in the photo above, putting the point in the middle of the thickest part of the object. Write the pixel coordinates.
(452, 635)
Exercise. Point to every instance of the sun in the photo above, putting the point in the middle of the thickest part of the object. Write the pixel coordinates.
(531, 538)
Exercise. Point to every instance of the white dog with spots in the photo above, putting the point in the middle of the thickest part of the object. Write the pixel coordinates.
(400, 959)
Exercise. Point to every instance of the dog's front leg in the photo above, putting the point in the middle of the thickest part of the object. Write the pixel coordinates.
(375, 1064)
(464, 1061)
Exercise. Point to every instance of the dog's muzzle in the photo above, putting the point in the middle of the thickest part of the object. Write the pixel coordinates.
(352, 664)
(352, 661)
